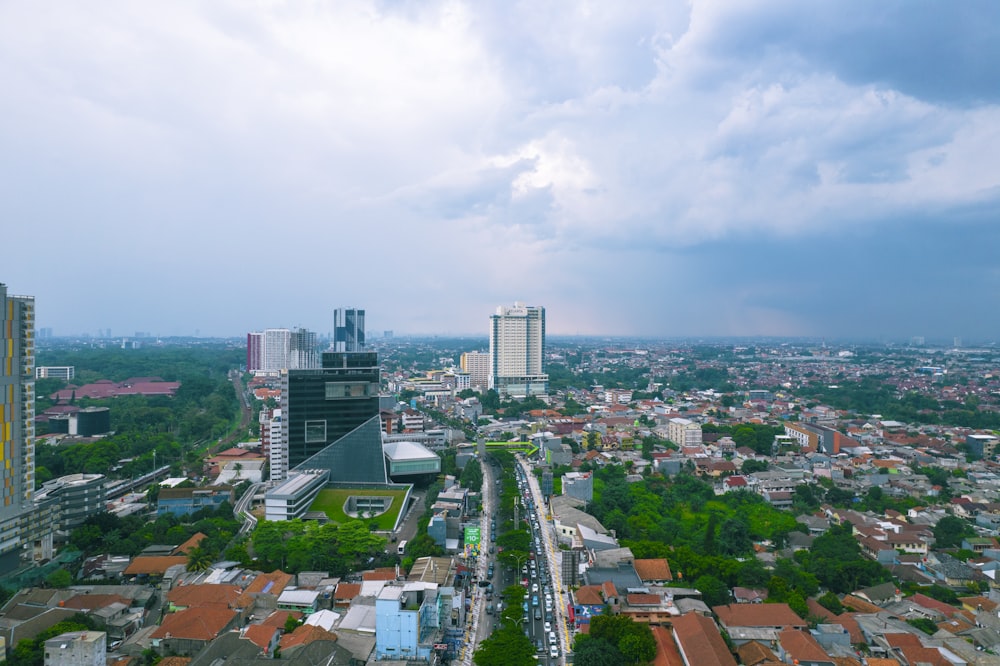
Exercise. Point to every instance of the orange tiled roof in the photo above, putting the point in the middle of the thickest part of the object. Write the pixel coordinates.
(382, 573)
(189, 545)
(153, 564)
(204, 594)
(653, 569)
(197, 624)
(304, 635)
(260, 634)
(94, 601)
(758, 615)
(347, 591)
(277, 579)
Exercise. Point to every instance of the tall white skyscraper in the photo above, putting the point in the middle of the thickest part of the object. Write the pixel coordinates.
(17, 417)
(517, 351)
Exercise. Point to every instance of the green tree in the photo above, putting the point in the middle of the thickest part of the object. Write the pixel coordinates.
(506, 646)
(472, 476)
(949, 532)
(590, 651)
(831, 602)
(199, 559)
(59, 578)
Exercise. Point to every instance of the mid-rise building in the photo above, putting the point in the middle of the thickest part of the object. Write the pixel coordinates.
(684, 432)
(408, 621)
(517, 351)
(17, 420)
(64, 372)
(477, 365)
(255, 351)
(348, 330)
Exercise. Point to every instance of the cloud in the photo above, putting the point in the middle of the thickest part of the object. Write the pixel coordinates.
(594, 158)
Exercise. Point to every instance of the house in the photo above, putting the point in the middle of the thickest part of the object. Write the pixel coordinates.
(774, 616)
(700, 642)
(654, 571)
(186, 633)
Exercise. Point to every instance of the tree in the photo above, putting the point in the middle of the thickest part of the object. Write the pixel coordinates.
(506, 646)
(590, 651)
(949, 532)
(291, 624)
(472, 476)
(751, 465)
(199, 559)
(634, 640)
(59, 578)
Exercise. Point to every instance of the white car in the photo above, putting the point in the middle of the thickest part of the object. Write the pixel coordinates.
(548, 627)
(552, 638)
(534, 587)
(554, 651)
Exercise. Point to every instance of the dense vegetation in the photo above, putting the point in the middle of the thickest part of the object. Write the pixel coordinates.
(297, 545)
(204, 408)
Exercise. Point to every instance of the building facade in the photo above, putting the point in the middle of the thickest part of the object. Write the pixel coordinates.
(348, 330)
(517, 351)
(277, 349)
(17, 418)
(322, 405)
(477, 365)
(65, 372)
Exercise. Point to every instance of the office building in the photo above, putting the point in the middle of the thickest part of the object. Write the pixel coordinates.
(684, 432)
(348, 330)
(255, 351)
(517, 350)
(322, 405)
(17, 420)
(477, 365)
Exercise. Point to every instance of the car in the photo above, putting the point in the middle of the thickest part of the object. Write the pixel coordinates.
(554, 651)
(538, 614)
(548, 627)
(534, 600)
(539, 645)
(534, 587)
(552, 638)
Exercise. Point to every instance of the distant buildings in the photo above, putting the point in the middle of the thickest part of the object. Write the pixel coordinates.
(65, 372)
(277, 349)
(17, 420)
(517, 351)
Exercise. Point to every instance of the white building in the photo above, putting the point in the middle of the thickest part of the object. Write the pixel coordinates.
(66, 372)
(285, 349)
(684, 432)
(77, 648)
(277, 453)
(477, 364)
(517, 350)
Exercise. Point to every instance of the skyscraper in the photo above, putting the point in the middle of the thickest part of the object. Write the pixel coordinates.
(348, 330)
(17, 416)
(322, 405)
(517, 350)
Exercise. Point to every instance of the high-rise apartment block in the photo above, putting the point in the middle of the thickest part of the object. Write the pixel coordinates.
(477, 365)
(517, 350)
(17, 417)
(277, 349)
(348, 330)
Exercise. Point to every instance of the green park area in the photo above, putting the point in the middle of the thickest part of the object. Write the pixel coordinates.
(332, 502)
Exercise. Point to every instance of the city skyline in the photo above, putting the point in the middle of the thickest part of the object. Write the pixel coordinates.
(753, 168)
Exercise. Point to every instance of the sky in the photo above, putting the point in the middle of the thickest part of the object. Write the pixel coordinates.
(719, 168)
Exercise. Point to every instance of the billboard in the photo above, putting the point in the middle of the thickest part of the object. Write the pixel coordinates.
(472, 535)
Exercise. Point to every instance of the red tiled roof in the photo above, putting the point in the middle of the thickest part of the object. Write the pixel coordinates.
(260, 634)
(205, 594)
(305, 634)
(653, 569)
(382, 573)
(589, 595)
(758, 615)
(700, 641)
(347, 591)
(189, 545)
(666, 650)
(197, 624)
(153, 565)
(800, 646)
(274, 582)
(643, 599)
(279, 617)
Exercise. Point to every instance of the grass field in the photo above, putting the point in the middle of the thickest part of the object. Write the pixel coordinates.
(331, 501)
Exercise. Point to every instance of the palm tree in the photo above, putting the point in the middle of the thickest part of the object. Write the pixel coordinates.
(199, 559)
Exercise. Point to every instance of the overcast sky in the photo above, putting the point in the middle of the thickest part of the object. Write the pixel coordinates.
(759, 167)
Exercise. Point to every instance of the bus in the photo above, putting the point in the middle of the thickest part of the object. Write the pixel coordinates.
(401, 548)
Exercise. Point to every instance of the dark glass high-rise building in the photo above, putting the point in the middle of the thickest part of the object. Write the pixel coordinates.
(348, 330)
(322, 405)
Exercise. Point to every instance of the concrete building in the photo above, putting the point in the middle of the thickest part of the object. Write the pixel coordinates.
(295, 495)
(277, 349)
(408, 621)
(408, 459)
(77, 648)
(185, 501)
(17, 421)
(517, 351)
(477, 365)
(579, 485)
(79, 496)
(64, 372)
(982, 445)
(684, 432)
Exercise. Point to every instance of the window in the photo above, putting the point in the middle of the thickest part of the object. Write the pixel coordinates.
(337, 390)
(315, 431)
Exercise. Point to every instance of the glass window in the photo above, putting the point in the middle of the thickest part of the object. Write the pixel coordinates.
(315, 431)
